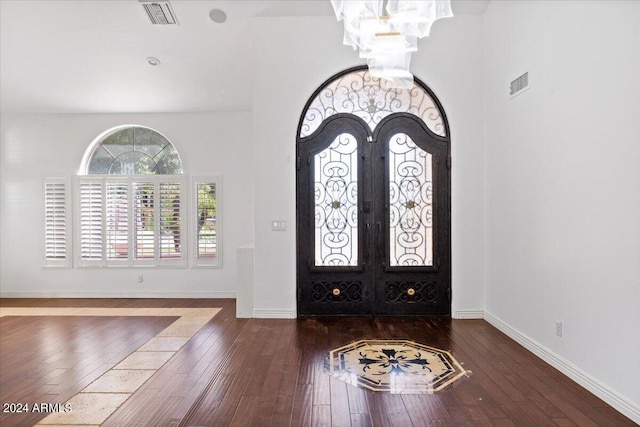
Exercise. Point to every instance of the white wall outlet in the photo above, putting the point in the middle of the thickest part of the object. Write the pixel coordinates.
(558, 328)
(278, 225)
(140, 278)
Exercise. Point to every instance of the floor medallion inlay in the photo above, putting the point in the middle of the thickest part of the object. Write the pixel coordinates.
(395, 366)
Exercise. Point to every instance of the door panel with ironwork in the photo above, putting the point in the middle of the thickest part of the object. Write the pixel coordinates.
(332, 252)
(373, 220)
(413, 273)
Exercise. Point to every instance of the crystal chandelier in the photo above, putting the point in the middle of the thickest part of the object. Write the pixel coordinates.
(387, 31)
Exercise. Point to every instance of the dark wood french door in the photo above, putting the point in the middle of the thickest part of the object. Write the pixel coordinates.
(373, 219)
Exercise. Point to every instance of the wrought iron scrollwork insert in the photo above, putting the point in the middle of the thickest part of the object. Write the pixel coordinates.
(410, 203)
(411, 292)
(371, 99)
(336, 203)
(336, 292)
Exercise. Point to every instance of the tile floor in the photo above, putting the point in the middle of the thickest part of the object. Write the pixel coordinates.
(95, 403)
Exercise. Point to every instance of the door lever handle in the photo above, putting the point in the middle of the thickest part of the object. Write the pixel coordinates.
(367, 239)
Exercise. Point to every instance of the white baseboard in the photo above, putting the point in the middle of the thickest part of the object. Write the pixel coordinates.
(617, 401)
(274, 314)
(468, 314)
(117, 294)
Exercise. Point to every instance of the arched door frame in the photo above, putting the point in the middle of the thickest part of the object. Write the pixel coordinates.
(371, 134)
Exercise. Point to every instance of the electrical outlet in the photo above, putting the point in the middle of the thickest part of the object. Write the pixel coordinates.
(140, 279)
(558, 328)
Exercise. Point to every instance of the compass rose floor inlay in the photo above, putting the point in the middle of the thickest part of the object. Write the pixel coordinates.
(395, 366)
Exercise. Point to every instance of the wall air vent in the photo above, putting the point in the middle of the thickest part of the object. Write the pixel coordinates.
(160, 12)
(519, 85)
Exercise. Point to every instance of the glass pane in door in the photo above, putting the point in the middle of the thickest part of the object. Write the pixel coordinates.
(335, 178)
(410, 203)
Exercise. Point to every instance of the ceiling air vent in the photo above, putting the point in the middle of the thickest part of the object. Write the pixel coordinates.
(519, 85)
(160, 12)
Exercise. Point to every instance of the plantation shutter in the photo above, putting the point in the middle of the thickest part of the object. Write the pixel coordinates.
(207, 219)
(91, 222)
(131, 221)
(171, 230)
(144, 222)
(57, 224)
(117, 229)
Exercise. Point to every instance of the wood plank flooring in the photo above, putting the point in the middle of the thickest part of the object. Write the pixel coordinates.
(270, 372)
(50, 359)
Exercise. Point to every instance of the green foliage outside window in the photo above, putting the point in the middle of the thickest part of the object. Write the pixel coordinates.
(206, 211)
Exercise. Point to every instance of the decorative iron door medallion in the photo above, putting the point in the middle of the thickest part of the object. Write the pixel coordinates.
(373, 201)
(395, 366)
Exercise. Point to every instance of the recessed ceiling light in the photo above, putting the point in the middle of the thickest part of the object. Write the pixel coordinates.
(218, 16)
(153, 61)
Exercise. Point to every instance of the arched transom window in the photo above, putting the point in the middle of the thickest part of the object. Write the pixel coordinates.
(371, 99)
(132, 150)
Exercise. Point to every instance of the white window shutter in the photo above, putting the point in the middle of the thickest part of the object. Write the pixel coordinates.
(117, 222)
(131, 221)
(171, 234)
(57, 250)
(91, 222)
(207, 247)
(144, 222)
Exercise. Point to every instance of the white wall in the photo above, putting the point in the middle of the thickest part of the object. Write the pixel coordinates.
(292, 57)
(562, 191)
(545, 186)
(450, 62)
(35, 146)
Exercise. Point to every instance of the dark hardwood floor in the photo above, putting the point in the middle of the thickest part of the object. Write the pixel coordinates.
(267, 372)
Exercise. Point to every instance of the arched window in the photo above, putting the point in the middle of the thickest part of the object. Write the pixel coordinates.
(131, 150)
(131, 200)
(131, 210)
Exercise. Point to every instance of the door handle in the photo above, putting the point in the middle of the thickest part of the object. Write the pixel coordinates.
(379, 243)
(367, 239)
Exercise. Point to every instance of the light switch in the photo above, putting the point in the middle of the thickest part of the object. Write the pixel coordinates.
(278, 225)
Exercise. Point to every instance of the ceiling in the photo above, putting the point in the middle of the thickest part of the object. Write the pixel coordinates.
(90, 55)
